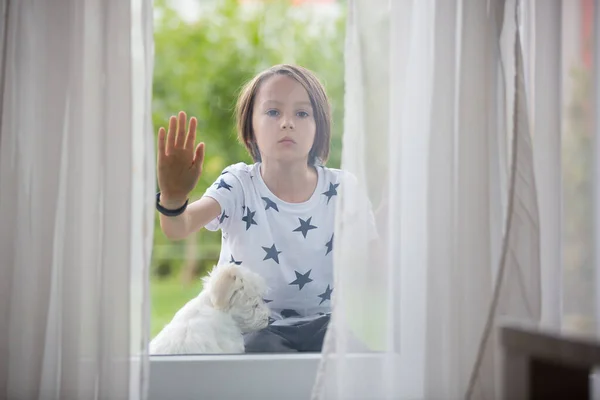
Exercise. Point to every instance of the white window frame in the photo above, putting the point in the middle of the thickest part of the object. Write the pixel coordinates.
(247, 376)
(240, 376)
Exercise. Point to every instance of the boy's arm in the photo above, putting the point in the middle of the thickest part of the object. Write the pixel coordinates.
(196, 216)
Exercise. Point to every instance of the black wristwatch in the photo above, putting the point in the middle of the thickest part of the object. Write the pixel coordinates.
(167, 212)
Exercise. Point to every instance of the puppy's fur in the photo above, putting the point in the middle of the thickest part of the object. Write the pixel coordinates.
(230, 304)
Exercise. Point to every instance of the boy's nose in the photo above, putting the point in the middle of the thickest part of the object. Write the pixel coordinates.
(287, 124)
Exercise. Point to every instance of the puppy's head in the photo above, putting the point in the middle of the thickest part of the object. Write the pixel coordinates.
(238, 291)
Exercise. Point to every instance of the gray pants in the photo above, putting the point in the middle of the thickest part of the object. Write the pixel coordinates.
(297, 336)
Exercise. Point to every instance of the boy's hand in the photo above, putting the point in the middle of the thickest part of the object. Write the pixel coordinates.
(179, 164)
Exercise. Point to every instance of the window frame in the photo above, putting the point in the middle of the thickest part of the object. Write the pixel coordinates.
(251, 376)
(236, 376)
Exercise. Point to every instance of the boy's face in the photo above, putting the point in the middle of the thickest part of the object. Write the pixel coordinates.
(283, 121)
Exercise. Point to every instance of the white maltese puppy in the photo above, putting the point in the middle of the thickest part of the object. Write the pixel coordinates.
(230, 304)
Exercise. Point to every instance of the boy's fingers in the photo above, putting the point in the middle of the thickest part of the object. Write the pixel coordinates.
(199, 156)
(161, 142)
(191, 136)
(171, 134)
(180, 139)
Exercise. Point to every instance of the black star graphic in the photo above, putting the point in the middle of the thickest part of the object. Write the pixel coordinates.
(270, 204)
(332, 191)
(272, 253)
(289, 313)
(271, 320)
(301, 279)
(225, 172)
(234, 261)
(222, 217)
(326, 295)
(223, 184)
(249, 218)
(267, 301)
(305, 226)
(329, 245)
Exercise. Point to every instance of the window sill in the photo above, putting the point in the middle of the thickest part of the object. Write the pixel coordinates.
(264, 376)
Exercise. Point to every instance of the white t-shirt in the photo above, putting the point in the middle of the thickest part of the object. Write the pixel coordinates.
(289, 244)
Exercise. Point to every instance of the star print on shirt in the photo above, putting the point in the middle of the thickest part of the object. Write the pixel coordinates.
(302, 279)
(223, 184)
(267, 301)
(225, 172)
(272, 253)
(249, 218)
(270, 204)
(326, 295)
(305, 226)
(222, 217)
(329, 245)
(331, 192)
(234, 261)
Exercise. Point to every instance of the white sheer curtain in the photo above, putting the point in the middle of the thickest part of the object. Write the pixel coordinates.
(441, 100)
(76, 198)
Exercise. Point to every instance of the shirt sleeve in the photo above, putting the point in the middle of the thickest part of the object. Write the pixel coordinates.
(228, 191)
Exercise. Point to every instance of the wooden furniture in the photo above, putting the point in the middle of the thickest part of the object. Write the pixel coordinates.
(543, 365)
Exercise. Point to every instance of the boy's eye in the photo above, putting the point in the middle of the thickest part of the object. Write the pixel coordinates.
(272, 113)
(302, 114)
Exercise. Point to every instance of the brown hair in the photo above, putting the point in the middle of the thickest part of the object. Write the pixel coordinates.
(318, 99)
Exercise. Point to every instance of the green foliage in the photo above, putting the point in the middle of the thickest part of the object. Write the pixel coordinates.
(200, 67)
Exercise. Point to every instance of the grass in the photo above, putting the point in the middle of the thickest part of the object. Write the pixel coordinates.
(167, 296)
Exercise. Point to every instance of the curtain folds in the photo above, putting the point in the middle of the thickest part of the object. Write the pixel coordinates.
(76, 204)
(440, 134)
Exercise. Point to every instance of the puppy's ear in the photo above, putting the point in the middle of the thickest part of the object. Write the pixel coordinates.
(224, 285)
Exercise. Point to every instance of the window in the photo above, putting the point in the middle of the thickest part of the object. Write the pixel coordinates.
(204, 52)
(177, 264)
